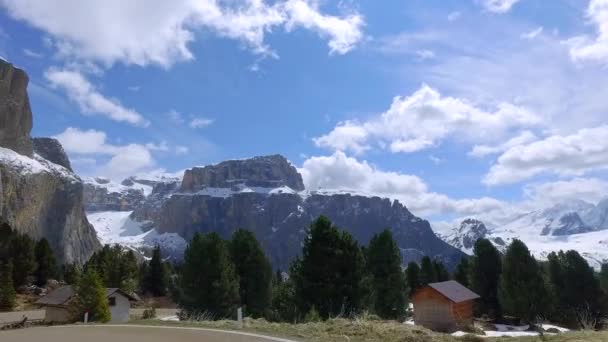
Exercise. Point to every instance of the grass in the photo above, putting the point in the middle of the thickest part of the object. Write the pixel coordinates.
(344, 330)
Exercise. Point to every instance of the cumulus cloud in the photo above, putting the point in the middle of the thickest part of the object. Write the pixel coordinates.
(498, 6)
(200, 122)
(424, 119)
(593, 48)
(120, 160)
(89, 99)
(588, 189)
(524, 137)
(341, 172)
(564, 155)
(158, 32)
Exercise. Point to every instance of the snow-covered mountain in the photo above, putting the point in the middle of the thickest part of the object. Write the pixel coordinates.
(263, 194)
(575, 224)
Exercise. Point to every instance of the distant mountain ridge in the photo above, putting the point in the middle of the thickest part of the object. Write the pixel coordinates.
(573, 224)
(266, 195)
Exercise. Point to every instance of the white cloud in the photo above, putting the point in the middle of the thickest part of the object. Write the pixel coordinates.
(425, 54)
(90, 146)
(524, 137)
(200, 122)
(591, 190)
(32, 54)
(453, 16)
(425, 118)
(436, 160)
(574, 154)
(532, 34)
(175, 116)
(341, 172)
(498, 6)
(89, 99)
(593, 49)
(181, 149)
(163, 147)
(159, 32)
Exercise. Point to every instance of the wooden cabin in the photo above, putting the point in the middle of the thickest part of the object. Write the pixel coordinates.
(57, 304)
(444, 306)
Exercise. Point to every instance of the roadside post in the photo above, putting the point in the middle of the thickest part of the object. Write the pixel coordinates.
(239, 317)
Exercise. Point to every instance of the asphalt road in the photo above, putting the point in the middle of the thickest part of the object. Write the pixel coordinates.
(129, 333)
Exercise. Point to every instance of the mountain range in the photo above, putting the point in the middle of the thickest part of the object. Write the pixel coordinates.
(572, 224)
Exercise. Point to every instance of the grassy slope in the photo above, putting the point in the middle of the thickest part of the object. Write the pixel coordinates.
(363, 330)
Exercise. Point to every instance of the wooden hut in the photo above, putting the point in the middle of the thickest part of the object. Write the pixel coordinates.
(443, 306)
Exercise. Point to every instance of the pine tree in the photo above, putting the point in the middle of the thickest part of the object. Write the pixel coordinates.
(604, 278)
(486, 267)
(575, 288)
(208, 281)
(129, 270)
(441, 272)
(427, 271)
(22, 254)
(412, 278)
(254, 271)
(522, 289)
(329, 274)
(155, 279)
(7, 289)
(91, 297)
(72, 273)
(462, 272)
(384, 264)
(45, 262)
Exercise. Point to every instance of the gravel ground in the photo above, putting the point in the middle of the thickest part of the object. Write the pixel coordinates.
(118, 333)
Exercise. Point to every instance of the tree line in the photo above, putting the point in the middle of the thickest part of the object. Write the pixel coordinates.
(22, 261)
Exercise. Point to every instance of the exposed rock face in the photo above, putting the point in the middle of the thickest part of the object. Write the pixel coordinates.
(51, 150)
(15, 112)
(467, 234)
(222, 198)
(38, 197)
(266, 172)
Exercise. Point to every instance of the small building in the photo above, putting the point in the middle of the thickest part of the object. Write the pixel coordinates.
(443, 306)
(57, 304)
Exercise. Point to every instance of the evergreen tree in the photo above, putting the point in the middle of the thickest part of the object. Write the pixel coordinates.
(412, 278)
(462, 272)
(575, 288)
(129, 270)
(384, 264)
(254, 272)
(72, 273)
(486, 267)
(7, 289)
(115, 267)
(604, 278)
(22, 253)
(91, 296)
(329, 274)
(428, 273)
(441, 272)
(45, 262)
(155, 279)
(208, 281)
(522, 289)
(283, 307)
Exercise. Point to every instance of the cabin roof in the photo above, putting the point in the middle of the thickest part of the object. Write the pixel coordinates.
(454, 291)
(62, 295)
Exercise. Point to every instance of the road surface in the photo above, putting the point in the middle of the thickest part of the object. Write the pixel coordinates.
(129, 333)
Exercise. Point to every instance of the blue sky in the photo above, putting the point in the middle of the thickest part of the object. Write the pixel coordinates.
(458, 108)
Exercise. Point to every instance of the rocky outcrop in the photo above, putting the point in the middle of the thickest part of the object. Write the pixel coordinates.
(42, 198)
(265, 172)
(51, 150)
(15, 111)
(260, 194)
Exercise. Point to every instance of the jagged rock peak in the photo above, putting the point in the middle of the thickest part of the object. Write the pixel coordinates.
(271, 171)
(15, 112)
(51, 150)
(474, 226)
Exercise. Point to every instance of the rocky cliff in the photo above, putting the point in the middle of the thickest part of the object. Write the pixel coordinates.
(266, 195)
(39, 194)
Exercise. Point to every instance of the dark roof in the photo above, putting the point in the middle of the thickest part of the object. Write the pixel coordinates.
(59, 296)
(454, 291)
(62, 295)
